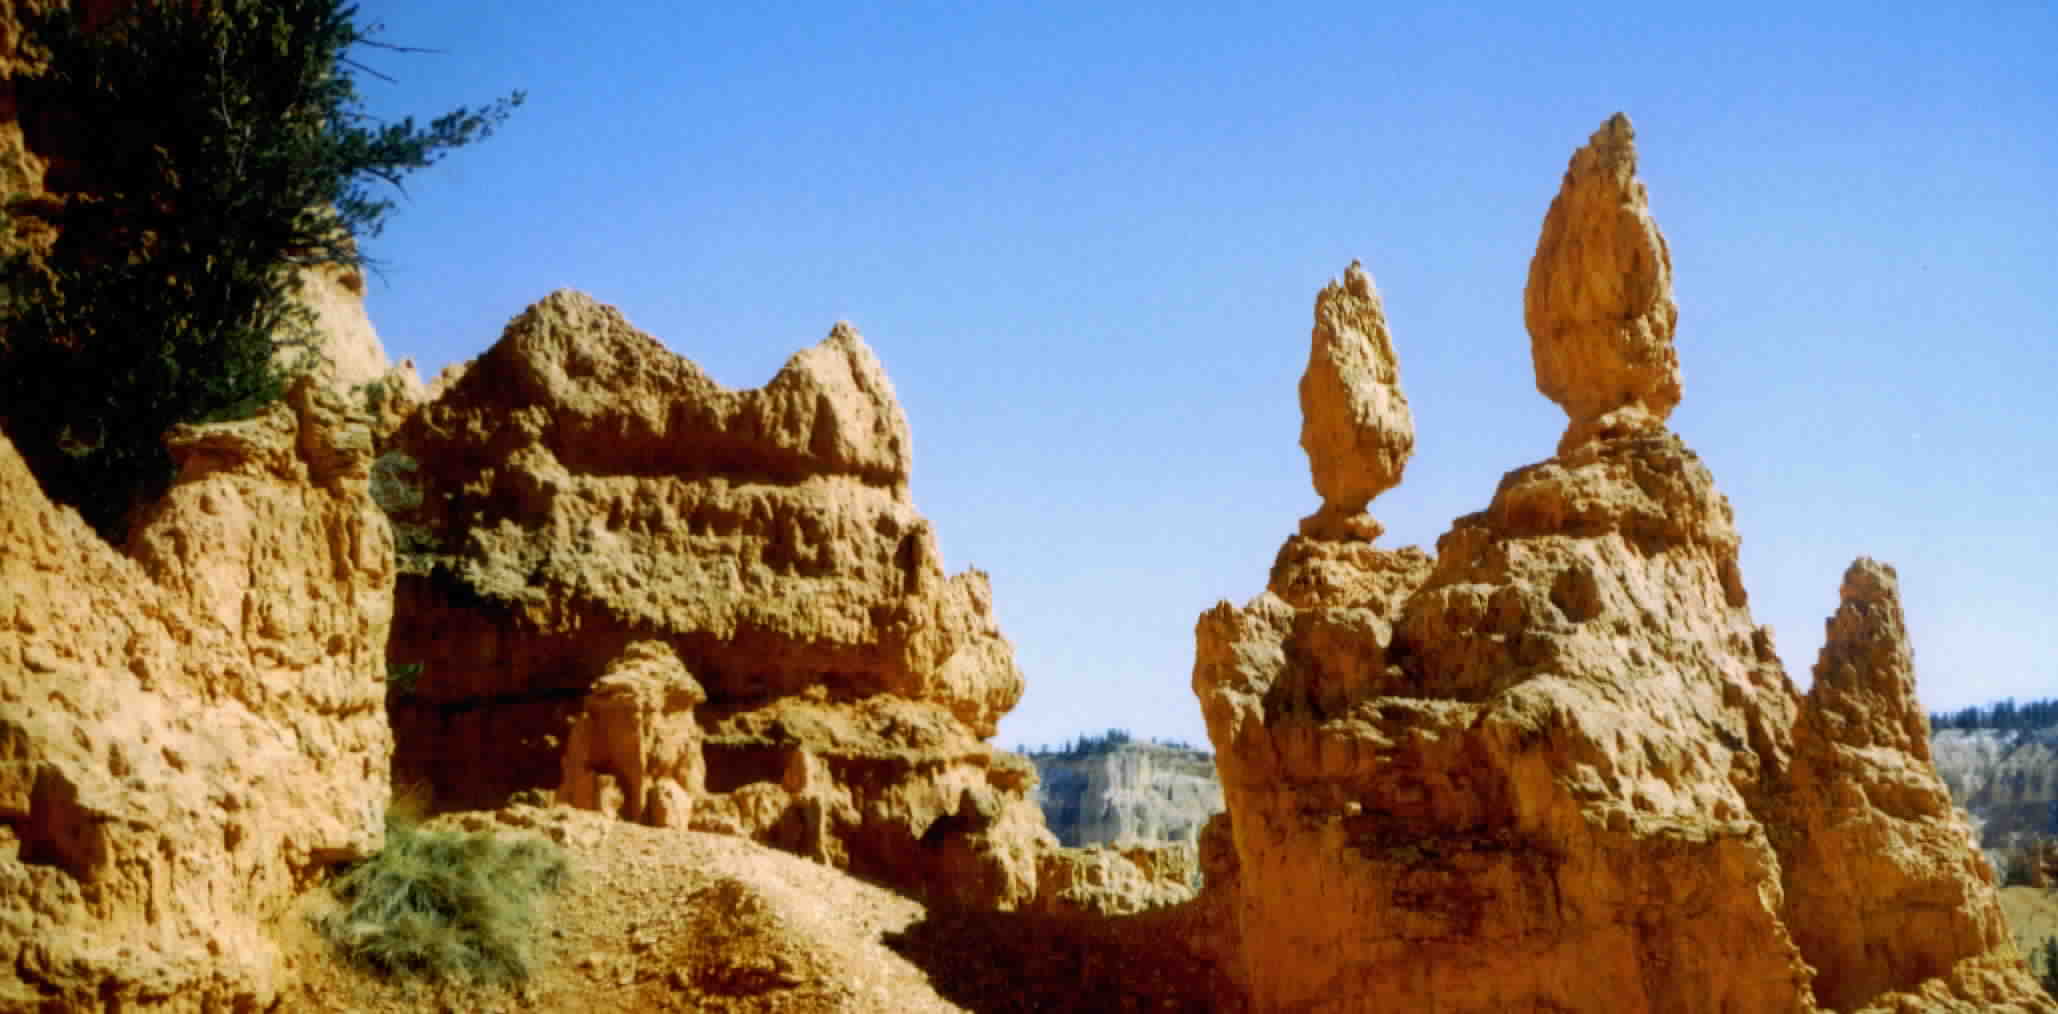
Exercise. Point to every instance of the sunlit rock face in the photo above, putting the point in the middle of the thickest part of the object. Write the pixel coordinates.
(190, 726)
(1355, 424)
(1599, 301)
(1556, 766)
(583, 502)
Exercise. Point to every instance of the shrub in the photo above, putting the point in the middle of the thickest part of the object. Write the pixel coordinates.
(453, 905)
(401, 677)
(2048, 974)
(212, 149)
(2015, 867)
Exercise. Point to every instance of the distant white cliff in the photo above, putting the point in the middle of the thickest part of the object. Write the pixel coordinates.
(2007, 779)
(1119, 791)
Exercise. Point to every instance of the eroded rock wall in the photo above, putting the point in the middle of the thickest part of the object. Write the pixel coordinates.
(580, 488)
(1556, 766)
(189, 727)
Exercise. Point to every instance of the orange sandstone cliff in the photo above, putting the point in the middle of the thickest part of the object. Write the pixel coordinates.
(1556, 766)
(633, 590)
(190, 726)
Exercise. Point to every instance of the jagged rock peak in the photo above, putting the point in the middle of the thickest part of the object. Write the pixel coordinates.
(1866, 672)
(1599, 302)
(616, 395)
(1355, 422)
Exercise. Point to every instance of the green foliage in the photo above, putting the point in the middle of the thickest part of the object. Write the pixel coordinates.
(2047, 968)
(2004, 715)
(450, 905)
(1107, 742)
(401, 677)
(217, 147)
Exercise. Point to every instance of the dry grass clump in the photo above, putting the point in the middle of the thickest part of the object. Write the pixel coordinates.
(451, 905)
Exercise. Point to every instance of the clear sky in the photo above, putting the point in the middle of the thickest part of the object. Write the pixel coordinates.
(1085, 239)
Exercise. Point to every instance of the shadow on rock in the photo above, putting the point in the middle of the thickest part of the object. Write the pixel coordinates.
(998, 962)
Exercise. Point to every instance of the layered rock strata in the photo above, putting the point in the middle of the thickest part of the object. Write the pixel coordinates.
(1556, 766)
(190, 726)
(2007, 780)
(1884, 889)
(579, 493)
(1127, 793)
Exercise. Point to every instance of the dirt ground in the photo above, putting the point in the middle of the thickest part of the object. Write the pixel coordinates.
(652, 920)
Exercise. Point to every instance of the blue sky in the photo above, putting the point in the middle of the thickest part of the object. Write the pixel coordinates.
(1085, 239)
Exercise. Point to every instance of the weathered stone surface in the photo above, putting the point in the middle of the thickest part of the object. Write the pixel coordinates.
(638, 738)
(1355, 422)
(1556, 767)
(1527, 755)
(893, 789)
(1599, 302)
(1127, 792)
(1106, 880)
(579, 488)
(1883, 888)
(189, 728)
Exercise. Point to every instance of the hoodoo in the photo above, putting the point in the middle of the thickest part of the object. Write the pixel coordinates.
(1557, 767)
(634, 590)
(1355, 423)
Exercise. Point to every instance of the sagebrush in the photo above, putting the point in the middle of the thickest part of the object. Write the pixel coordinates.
(446, 905)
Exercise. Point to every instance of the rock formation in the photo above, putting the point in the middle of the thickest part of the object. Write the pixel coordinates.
(1599, 302)
(1127, 793)
(1117, 880)
(1355, 423)
(635, 751)
(1884, 890)
(1556, 767)
(579, 494)
(2007, 780)
(190, 726)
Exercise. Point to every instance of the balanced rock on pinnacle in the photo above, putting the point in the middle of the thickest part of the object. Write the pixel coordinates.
(1599, 303)
(1558, 766)
(1355, 422)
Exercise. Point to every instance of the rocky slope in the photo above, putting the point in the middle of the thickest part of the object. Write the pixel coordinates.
(190, 725)
(1127, 792)
(1556, 766)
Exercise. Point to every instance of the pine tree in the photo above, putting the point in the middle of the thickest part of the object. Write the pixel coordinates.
(219, 146)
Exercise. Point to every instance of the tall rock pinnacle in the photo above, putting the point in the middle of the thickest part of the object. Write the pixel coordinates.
(1558, 765)
(1599, 303)
(1355, 422)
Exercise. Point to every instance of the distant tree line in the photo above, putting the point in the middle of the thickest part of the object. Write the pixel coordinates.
(1090, 745)
(2005, 715)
